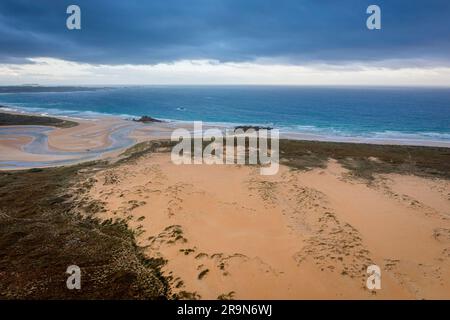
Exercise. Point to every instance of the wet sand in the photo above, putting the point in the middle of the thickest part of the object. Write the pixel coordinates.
(228, 232)
(29, 146)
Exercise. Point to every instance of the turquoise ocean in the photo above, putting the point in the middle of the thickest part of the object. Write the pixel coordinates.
(332, 113)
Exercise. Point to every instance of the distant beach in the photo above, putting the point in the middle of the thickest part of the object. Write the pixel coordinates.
(410, 116)
(99, 135)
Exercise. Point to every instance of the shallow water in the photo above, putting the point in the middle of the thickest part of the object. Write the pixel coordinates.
(398, 114)
(119, 139)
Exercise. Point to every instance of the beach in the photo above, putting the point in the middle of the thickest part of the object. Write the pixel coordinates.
(106, 136)
(225, 231)
(89, 139)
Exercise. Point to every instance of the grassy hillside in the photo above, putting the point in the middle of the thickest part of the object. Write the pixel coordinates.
(8, 119)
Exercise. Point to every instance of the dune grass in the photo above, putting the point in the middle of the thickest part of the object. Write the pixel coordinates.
(43, 231)
(9, 119)
(365, 160)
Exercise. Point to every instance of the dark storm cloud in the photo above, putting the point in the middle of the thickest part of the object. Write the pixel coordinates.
(292, 31)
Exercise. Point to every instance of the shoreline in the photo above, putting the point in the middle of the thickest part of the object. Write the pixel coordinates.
(28, 146)
(284, 134)
(39, 146)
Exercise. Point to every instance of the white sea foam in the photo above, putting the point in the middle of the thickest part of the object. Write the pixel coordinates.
(308, 132)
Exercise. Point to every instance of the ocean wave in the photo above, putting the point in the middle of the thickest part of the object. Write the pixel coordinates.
(290, 131)
(8, 109)
(307, 132)
(66, 113)
(412, 135)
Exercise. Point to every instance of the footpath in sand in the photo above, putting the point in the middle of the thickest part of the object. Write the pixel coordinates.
(228, 232)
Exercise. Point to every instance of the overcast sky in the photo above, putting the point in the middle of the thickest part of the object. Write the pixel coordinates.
(225, 42)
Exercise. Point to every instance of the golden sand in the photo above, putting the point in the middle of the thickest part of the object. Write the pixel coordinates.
(226, 230)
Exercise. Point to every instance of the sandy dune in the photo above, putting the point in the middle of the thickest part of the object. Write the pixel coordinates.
(226, 230)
